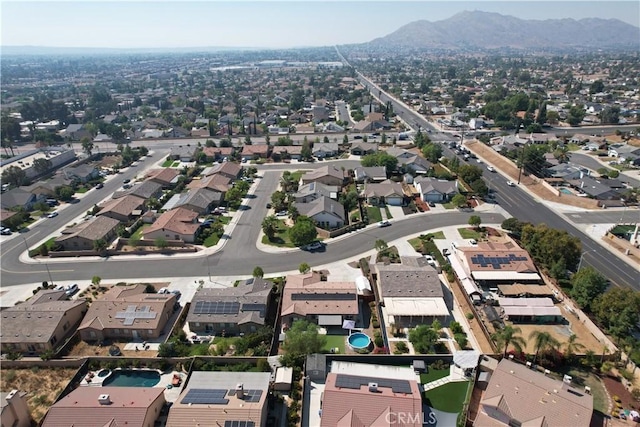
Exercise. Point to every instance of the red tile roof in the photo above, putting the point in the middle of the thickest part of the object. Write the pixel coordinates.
(179, 220)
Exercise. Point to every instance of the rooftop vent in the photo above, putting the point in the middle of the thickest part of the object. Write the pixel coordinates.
(547, 372)
(373, 387)
(103, 399)
(587, 389)
(240, 391)
(567, 379)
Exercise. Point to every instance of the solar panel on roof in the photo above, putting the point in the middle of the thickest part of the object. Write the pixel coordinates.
(216, 307)
(200, 396)
(229, 423)
(249, 395)
(355, 382)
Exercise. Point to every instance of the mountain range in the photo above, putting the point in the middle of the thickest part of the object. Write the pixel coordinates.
(486, 30)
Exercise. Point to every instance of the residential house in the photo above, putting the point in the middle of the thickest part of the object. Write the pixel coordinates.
(230, 170)
(230, 311)
(314, 190)
(324, 211)
(541, 138)
(550, 159)
(75, 132)
(14, 409)
(124, 209)
(320, 113)
(17, 197)
(200, 200)
(370, 174)
(556, 403)
(580, 138)
(322, 150)
(253, 152)
(412, 294)
(330, 127)
(184, 153)
(219, 183)
(145, 190)
(41, 323)
(81, 173)
(102, 137)
(83, 236)
(624, 152)
(564, 172)
(5, 216)
(492, 263)
(280, 152)
(225, 399)
(218, 153)
(409, 160)
(166, 177)
(363, 148)
(48, 188)
(176, 224)
(435, 190)
(178, 132)
(384, 193)
(328, 175)
(107, 407)
(596, 189)
(128, 313)
(307, 296)
(362, 394)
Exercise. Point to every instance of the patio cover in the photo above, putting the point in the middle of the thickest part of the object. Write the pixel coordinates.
(416, 307)
(468, 284)
(520, 289)
(525, 302)
(466, 359)
(512, 310)
(348, 324)
(504, 275)
(329, 319)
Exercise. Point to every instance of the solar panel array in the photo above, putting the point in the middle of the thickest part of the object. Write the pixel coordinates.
(355, 382)
(131, 314)
(239, 424)
(322, 297)
(262, 308)
(216, 307)
(249, 395)
(201, 396)
(496, 261)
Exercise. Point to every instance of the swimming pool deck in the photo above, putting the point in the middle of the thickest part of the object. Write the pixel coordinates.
(166, 379)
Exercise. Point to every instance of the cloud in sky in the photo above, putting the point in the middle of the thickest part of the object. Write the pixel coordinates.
(124, 24)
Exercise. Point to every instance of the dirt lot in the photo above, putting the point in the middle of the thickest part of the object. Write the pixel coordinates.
(485, 345)
(531, 182)
(85, 349)
(42, 386)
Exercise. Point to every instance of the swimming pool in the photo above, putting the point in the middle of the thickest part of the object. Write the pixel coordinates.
(103, 373)
(359, 341)
(565, 191)
(131, 378)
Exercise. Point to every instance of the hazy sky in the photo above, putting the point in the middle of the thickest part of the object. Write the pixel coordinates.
(126, 24)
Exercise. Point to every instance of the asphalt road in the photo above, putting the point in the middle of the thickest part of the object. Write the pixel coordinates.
(627, 215)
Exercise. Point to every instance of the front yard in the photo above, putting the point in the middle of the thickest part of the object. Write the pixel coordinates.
(373, 212)
(281, 238)
(468, 233)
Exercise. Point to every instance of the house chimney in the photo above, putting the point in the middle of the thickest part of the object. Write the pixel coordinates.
(240, 391)
(103, 399)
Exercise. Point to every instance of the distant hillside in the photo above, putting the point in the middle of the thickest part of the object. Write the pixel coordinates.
(484, 30)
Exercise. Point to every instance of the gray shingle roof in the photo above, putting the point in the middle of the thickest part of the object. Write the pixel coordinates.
(322, 204)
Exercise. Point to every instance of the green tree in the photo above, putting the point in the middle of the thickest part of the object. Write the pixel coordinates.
(596, 87)
(576, 114)
(279, 200)
(469, 173)
(270, 226)
(459, 200)
(542, 114)
(432, 152)
(571, 346)
(509, 336)
(160, 243)
(547, 245)
(588, 284)
(87, 145)
(305, 151)
(610, 115)
(303, 231)
(14, 175)
(234, 196)
(258, 272)
(617, 310)
(100, 245)
(380, 245)
(304, 268)
(303, 339)
(423, 338)
(475, 221)
(42, 165)
(543, 341)
(96, 280)
(380, 159)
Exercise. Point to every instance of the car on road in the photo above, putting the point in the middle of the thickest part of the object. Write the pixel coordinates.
(491, 169)
(268, 205)
(71, 289)
(126, 181)
(282, 213)
(446, 252)
(52, 215)
(5, 231)
(384, 223)
(313, 246)
(511, 184)
(99, 186)
(432, 205)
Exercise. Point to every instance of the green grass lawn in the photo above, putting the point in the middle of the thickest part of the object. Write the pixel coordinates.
(469, 234)
(281, 239)
(295, 176)
(386, 209)
(82, 190)
(449, 205)
(373, 212)
(433, 375)
(582, 378)
(175, 164)
(167, 163)
(212, 240)
(449, 397)
(334, 341)
(573, 147)
(138, 232)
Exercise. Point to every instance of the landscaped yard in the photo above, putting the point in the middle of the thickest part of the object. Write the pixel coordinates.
(433, 375)
(468, 233)
(138, 233)
(386, 209)
(373, 212)
(281, 239)
(600, 399)
(167, 163)
(416, 243)
(449, 397)
(334, 341)
(82, 190)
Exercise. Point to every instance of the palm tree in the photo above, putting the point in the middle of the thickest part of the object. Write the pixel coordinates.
(543, 341)
(571, 346)
(270, 226)
(508, 336)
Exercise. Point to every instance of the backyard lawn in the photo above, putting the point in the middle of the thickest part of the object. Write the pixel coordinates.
(167, 163)
(433, 375)
(334, 341)
(600, 399)
(449, 397)
(138, 233)
(468, 233)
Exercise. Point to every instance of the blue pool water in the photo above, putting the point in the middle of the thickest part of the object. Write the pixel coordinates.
(359, 340)
(129, 378)
(565, 191)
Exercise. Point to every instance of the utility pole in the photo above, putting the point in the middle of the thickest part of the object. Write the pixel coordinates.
(521, 164)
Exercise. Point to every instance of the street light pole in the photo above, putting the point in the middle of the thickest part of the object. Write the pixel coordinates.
(582, 257)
